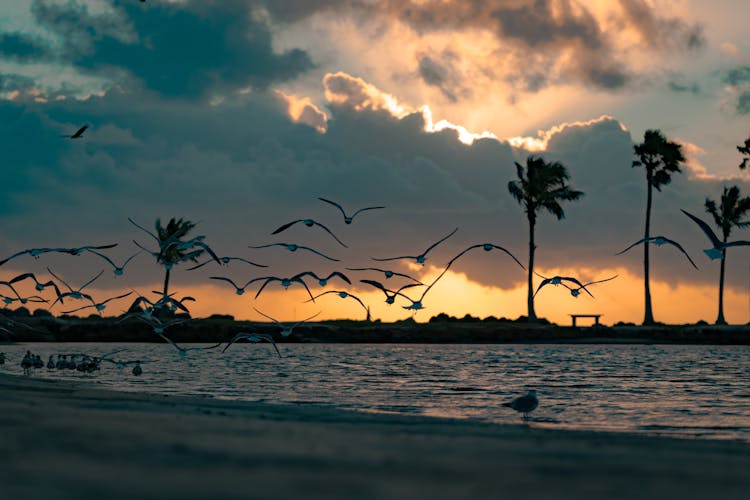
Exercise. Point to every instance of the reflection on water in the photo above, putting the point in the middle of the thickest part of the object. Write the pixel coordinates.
(691, 391)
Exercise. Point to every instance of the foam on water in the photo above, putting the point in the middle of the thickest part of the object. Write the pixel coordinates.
(688, 391)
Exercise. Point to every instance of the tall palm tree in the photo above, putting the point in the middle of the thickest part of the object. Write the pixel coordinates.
(540, 185)
(745, 150)
(173, 249)
(660, 158)
(732, 209)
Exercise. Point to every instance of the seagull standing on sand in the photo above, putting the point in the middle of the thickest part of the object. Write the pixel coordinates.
(348, 218)
(308, 223)
(717, 252)
(658, 241)
(524, 404)
(421, 258)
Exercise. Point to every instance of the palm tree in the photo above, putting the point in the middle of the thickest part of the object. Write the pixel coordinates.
(540, 185)
(172, 247)
(745, 150)
(729, 214)
(660, 158)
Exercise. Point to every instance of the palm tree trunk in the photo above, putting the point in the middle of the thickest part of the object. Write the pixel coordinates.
(720, 319)
(530, 290)
(648, 315)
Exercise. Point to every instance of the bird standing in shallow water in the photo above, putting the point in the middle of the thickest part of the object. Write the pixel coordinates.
(524, 404)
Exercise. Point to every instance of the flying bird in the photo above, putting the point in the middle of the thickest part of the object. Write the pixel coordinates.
(387, 272)
(658, 241)
(486, 247)
(253, 337)
(524, 404)
(38, 285)
(78, 133)
(558, 280)
(421, 258)
(308, 223)
(390, 295)
(416, 305)
(717, 252)
(285, 330)
(292, 247)
(239, 290)
(36, 252)
(343, 295)
(285, 282)
(575, 292)
(348, 218)
(118, 270)
(99, 306)
(324, 281)
(226, 260)
(74, 294)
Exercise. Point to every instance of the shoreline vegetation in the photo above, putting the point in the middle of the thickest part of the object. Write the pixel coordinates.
(440, 329)
(73, 440)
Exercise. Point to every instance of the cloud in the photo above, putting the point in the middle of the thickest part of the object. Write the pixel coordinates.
(244, 166)
(738, 78)
(21, 47)
(440, 72)
(191, 49)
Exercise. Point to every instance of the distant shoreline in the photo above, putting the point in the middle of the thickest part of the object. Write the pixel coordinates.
(51, 329)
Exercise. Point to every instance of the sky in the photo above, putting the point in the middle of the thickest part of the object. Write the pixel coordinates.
(239, 114)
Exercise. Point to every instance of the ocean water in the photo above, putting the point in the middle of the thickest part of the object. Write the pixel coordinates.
(685, 391)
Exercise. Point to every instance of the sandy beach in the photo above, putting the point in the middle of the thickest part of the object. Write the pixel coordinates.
(64, 440)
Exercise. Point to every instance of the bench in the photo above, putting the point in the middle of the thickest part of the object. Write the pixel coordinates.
(595, 316)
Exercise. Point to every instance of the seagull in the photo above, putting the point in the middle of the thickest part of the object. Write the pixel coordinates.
(524, 404)
(99, 306)
(38, 285)
(343, 295)
(348, 218)
(308, 223)
(36, 252)
(416, 305)
(387, 272)
(238, 289)
(187, 245)
(421, 258)
(118, 270)
(74, 294)
(292, 247)
(253, 337)
(226, 260)
(324, 281)
(575, 292)
(717, 252)
(285, 282)
(486, 247)
(23, 300)
(658, 241)
(558, 280)
(78, 133)
(285, 330)
(390, 295)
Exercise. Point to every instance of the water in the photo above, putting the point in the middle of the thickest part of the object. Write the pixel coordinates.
(686, 391)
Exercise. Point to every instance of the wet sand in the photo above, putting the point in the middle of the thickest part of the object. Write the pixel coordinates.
(64, 440)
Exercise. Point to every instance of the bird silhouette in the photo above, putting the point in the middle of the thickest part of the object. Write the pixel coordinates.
(390, 295)
(717, 251)
(292, 247)
(308, 223)
(658, 241)
(421, 258)
(78, 133)
(387, 272)
(348, 218)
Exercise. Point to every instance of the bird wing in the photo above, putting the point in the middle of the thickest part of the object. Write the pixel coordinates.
(439, 241)
(268, 280)
(59, 279)
(300, 280)
(331, 233)
(498, 247)
(335, 205)
(395, 258)
(228, 280)
(358, 300)
(143, 229)
(737, 243)
(91, 280)
(601, 281)
(377, 285)
(545, 281)
(80, 131)
(450, 262)
(706, 229)
(17, 254)
(365, 209)
(319, 253)
(78, 309)
(321, 294)
(642, 240)
(267, 316)
(580, 285)
(199, 265)
(340, 275)
(248, 261)
(679, 247)
(306, 319)
(269, 245)
(103, 257)
(286, 226)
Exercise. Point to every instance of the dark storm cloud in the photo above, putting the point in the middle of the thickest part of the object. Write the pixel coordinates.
(11, 81)
(662, 32)
(243, 168)
(187, 49)
(22, 47)
(740, 77)
(438, 71)
(679, 84)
